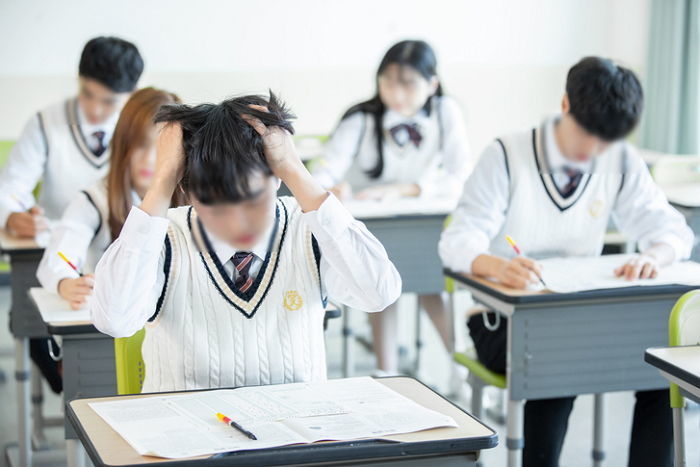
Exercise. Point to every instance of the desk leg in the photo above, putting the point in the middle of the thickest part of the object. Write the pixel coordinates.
(348, 345)
(39, 441)
(75, 453)
(419, 341)
(514, 435)
(598, 453)
(678, 437)
(22, 371)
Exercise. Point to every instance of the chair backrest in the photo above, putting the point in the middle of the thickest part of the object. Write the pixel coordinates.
(131, 369)
(684, 329)
(672, 169)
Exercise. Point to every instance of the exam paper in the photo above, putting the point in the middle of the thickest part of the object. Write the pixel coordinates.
(185, 425)
(367, 209)
(54, 309)
(579, 274)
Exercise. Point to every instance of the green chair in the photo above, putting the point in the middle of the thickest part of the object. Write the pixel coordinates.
(5, 147)
(683, 329)
(131, 369)
(479, 377)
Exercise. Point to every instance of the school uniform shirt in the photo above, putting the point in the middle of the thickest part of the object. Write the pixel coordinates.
(82, 235)
(60, 148)
(438, 164)
(517, 189)
(201, 331)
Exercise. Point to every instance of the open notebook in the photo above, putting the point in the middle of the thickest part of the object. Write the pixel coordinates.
(579, 274)
(186, 425)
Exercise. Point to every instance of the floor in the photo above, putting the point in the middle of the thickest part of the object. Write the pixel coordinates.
(576, 448)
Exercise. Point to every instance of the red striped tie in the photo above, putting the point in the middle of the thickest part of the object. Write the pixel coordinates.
(242, 261)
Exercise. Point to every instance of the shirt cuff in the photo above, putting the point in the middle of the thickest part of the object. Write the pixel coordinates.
(680, 248)
(330, 220)
(142, 231)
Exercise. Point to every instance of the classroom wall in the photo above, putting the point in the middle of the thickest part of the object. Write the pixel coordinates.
(505, 61)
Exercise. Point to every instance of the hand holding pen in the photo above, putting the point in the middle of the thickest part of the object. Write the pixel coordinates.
(28, 222)
(75, 290)
(520, 271)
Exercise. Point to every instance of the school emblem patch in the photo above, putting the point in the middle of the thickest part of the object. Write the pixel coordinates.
(596, 209)
(292, 300)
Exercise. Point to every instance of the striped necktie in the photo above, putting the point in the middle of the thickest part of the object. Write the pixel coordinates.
(575, 177)
(101, 148)
(242, 261)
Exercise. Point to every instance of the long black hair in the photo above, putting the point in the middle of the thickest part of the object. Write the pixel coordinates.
(415, 54)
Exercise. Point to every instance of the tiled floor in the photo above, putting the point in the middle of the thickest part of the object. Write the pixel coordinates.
(576, 448)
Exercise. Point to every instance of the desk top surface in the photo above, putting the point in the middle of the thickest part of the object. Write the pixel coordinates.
(60, 319)
(520, 296)
(401, 207)
(11, 244)
(471, 435)
(685, 194)
(682, 362)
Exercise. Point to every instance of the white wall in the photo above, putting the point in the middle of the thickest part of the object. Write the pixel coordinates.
(505, 61)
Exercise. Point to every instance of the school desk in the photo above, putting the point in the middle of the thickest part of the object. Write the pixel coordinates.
(410, 231)
(88, 360)
(686, 198)
(568, 344)
(438, 447)
(679, 365)
(25, 323)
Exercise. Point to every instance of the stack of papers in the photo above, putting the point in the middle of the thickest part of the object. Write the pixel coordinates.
(186, 425)
(399, 207)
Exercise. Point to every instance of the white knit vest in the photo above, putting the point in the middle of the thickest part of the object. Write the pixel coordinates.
(70, 164)
(97, 196)
(542, 222)
(207, 335)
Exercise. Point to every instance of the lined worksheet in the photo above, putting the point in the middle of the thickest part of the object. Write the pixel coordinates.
(186, 425)
(579, 274)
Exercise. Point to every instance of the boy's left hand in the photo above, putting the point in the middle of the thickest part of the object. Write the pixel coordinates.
(280, 152)
(640, 267)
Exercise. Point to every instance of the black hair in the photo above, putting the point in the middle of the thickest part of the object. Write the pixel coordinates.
(114, 62)
(222, 151)
(604, 98)
(414, 54)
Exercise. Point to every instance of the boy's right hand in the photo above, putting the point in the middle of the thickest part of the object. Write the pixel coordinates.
(170, 159)
(519, 272)
(27, 224)
(76, 291)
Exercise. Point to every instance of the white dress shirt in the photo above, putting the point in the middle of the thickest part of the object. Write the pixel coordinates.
(74, 235)
(641, 210)
(437, 172)
(25, 166)
(354, 267)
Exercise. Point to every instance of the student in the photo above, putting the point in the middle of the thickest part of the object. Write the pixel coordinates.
(66, 144)
(554, 189)
(232, 289)
(66, 147)
(408, 140)
(94, 218)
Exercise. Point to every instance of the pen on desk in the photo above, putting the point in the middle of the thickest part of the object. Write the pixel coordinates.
(73, 267)
(518, 252)
(235, 425)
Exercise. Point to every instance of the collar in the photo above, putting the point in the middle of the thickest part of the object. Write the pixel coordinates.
(224, 251)
(392, 118)
(556, 159)
(88, 129)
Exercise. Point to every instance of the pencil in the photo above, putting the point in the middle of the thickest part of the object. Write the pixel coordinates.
(63, 257)
(19, 201)
(235, 425)
(518, 252)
